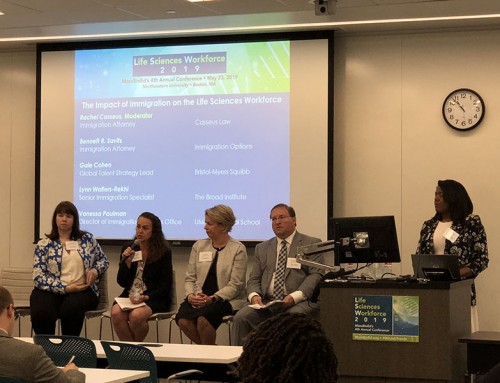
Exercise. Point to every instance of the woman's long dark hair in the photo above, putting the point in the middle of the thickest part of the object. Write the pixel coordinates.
(66, 207)
(157, 244)
(288, 348)
(459, 203)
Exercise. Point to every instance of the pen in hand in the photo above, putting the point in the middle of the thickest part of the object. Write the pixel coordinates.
(72, 359)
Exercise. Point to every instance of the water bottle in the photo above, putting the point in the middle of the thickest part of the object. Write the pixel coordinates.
(135, 293)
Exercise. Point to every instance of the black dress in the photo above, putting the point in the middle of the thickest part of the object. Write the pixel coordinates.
(157, 276)
(213, 312)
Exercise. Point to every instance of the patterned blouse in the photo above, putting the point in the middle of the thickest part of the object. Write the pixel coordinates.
(470, 246)
(48, 260)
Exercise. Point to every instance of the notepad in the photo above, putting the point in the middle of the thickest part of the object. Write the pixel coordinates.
(125, 304)
(276, 305)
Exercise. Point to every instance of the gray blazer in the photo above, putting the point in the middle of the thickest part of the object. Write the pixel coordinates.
(304, 279)
(231, 271)
(30, 363)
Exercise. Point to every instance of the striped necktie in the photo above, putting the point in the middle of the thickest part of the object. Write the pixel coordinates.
(279, 278)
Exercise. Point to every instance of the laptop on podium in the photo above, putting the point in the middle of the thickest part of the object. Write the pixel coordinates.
(436, 267)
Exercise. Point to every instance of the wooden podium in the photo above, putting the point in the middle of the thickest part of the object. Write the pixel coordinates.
(444, 317)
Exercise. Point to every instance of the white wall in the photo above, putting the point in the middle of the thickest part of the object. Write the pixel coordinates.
(391, 143)
(17, 156)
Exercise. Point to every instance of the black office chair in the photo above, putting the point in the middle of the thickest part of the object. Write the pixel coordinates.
(9, 379)
(60, 348)
(126, 356)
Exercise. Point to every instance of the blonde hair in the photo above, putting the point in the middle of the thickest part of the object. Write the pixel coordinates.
(223, 215)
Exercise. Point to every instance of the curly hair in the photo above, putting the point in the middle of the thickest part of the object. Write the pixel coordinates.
(288, 348)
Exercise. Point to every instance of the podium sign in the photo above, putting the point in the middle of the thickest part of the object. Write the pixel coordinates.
(443, 317)
(385, 318)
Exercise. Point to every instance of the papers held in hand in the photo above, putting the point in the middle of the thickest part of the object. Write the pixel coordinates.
(125, 304)
(137, 256)
(274, 306)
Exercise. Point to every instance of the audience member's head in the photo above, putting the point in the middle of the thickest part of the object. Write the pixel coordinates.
(7, 311)
(288, 348)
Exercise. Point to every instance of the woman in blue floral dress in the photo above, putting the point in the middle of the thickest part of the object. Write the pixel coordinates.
(67, 266)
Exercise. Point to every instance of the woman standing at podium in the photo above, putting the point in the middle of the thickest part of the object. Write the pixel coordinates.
(455, 230)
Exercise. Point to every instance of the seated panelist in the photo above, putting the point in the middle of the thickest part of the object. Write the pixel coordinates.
(145, 273)
(276, 275)
(215, 278)
(66, 269)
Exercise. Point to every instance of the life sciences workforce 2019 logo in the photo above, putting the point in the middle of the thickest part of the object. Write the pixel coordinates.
(386, 318)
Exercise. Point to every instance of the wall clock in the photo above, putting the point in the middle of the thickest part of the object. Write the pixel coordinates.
(463, 109)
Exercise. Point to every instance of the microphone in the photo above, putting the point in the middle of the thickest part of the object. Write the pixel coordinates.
(136, 245)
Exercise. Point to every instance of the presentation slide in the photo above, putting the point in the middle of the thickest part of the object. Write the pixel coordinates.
(173, 130)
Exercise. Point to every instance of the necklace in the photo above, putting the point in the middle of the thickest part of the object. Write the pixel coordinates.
(218, 248)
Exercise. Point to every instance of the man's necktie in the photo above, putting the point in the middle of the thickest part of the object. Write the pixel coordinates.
(279, 278)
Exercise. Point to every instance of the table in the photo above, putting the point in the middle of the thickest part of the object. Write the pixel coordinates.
(483, 351)
(171, 358)
(173, 352)
(108, 375)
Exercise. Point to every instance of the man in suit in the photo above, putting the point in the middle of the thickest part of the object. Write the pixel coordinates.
(27, 361)
(265, 283)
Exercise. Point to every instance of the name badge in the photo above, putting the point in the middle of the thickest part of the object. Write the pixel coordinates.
(71, 245)
(137, 256)
(291, 263)
(205, 256)
(451, 235)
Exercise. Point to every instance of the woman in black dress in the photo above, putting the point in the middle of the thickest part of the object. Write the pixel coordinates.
(146, 277)
(215, 278)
